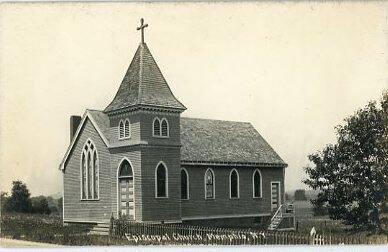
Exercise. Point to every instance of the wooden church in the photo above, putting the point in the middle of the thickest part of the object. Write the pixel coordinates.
(139, 159)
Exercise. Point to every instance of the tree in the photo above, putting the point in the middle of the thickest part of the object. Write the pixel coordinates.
(60, 205)
(40, 205)
(352, 174)
(20, 201)
(4, 202)
(300, 194)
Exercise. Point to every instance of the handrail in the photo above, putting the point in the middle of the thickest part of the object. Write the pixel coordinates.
(277, 211)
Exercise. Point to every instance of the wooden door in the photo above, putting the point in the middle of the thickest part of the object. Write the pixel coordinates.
(127, 206)
(275, 196)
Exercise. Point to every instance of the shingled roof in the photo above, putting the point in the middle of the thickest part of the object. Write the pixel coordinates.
(219, 141)
(144, 84)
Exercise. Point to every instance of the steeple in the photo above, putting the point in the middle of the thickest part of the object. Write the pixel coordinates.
(144, 84)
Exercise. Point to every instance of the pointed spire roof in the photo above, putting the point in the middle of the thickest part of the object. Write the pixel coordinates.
(144, 84)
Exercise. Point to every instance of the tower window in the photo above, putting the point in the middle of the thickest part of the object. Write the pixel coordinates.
(124, 129)
(164, 127)
(156, 127)
(160, 128)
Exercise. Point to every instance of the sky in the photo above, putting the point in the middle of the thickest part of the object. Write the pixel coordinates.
(294, 70)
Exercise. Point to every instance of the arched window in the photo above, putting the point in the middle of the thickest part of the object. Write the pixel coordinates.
(125, 169)
(209, 184)
(184, 184)
(161, 181)
(165, 129)
(127, 130)
(89, 172)
(124, 129)
(156, 127)
(121, 130)
(234, 184)
(257, 184)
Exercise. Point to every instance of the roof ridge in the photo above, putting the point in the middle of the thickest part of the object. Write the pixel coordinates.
(220, 120)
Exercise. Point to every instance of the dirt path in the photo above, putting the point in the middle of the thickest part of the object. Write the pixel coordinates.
(5, 242)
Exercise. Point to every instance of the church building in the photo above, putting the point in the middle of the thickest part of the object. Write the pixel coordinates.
(140, 159)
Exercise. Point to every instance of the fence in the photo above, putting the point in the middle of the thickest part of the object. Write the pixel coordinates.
(167, 234)
(180, 234)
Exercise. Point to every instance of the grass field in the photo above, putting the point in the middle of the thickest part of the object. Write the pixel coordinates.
(47, 229)
(323, 224)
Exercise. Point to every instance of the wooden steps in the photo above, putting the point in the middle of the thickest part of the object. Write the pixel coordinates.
(100, 229)
(285, 211)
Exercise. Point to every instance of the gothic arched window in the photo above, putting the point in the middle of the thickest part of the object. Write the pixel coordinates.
(161, 181)
(156, 127)
(89, 172)
(165, 128)
(121, 130)
(184, 184)
(257, 184)
(234, 184)
(209, 184)
(124, 129)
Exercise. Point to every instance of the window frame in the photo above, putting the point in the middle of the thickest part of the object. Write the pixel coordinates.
(123, 124)
(187, 184)
(254, 186)
(156, 181)
(230, 184)
(161, 128)
(89, 150)
(153, 127)
(214, 184)
(160, 135)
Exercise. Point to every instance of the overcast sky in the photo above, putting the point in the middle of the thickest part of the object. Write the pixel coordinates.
(294, 70)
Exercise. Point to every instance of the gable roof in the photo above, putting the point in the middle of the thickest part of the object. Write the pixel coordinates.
(100, 122)
(217, 141)
(203, 141)
(144, 84)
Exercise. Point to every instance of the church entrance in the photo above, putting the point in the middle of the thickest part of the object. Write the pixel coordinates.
(275, 196)
(126, 203)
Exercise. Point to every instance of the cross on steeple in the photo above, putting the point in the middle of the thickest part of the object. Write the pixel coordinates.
(142, 26)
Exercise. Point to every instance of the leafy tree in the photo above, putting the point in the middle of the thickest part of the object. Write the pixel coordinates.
(352, 174)
(300, 194)
(40, 205)
(19, 201)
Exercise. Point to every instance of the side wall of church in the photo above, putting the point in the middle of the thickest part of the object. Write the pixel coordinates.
(75, 209)
(161, 209)
(222, 206)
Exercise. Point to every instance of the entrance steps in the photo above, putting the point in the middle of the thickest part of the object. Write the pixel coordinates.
(100, 229)
(284, 218)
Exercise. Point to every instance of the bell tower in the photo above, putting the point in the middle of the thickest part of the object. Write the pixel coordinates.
(146, 115)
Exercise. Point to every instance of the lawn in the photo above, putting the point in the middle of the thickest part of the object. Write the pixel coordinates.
(48, 229)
